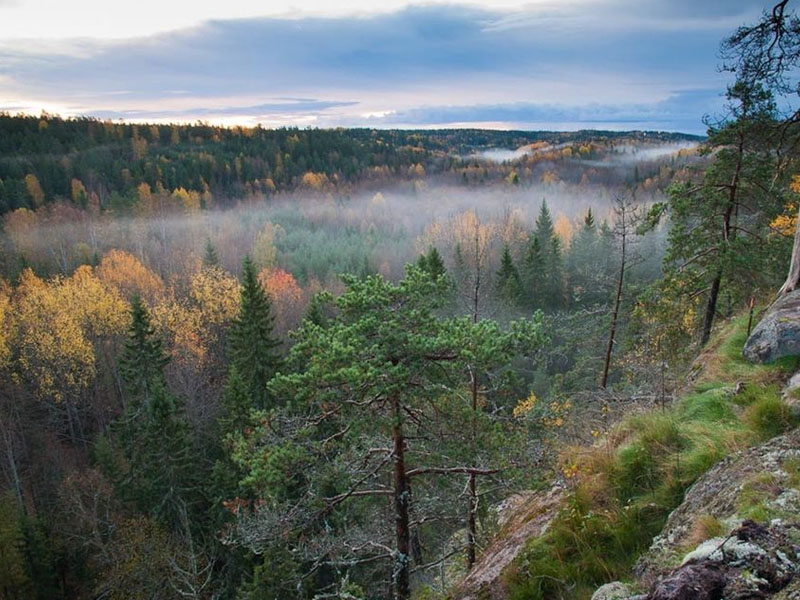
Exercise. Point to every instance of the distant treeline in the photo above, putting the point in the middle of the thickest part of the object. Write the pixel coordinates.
(103, 163)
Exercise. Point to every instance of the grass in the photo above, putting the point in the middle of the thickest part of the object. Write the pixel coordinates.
(623, 489)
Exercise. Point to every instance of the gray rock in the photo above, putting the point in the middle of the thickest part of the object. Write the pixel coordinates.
(778, 333)
(615, 590)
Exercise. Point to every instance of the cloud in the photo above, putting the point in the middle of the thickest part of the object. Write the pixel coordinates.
(288, 105)
(594, 59)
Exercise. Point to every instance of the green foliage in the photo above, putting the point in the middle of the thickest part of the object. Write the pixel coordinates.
(769, 415)
(432, 263)
(508, 285)
(143, 359)
(210, 257)
(253, 349)
(386, 366)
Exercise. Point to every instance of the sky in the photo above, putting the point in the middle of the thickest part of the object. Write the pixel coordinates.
(545, 64)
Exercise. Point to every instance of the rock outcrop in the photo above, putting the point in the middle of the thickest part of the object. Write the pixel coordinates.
(778, 333)
(530, 517)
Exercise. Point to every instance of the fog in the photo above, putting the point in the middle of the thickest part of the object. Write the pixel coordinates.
(316, 237)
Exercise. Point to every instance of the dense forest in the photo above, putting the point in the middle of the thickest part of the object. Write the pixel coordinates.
(302, 363)
(109, 165)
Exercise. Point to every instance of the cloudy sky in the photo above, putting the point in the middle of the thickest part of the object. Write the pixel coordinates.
(546, 64)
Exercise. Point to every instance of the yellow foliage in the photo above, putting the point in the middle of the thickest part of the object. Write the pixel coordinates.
(314, 181)
(34, 189)
(188, 199)
(5, 322)
(786, 223)
(549, 178)
(54, 324)
(264, 253)
(123, 271)
(215, 293)
(78, 192)
(525, 406)
(563, 228)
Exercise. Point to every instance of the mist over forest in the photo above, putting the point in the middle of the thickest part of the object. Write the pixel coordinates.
(251, 362)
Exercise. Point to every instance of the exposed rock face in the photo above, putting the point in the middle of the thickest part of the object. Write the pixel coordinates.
(778, 333)
(530, 518)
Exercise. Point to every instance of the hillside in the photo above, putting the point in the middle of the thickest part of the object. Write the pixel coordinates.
(660, 484)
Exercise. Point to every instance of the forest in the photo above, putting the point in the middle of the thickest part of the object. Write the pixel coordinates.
(304, 363)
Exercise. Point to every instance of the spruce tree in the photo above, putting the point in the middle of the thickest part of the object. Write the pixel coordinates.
(432, 263)
(210, 257)
(253, 348)
(158, 474)
(435, 263)
(143, 358)
(507, 283)
(533, 268)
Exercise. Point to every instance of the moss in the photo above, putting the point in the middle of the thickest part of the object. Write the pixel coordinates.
(753, 497)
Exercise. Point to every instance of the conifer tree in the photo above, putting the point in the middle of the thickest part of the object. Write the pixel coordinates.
(143, 359)
(534, 275)
(210, 257)
(158, 475)
(432, 263)
(507, 283)
(253, 348)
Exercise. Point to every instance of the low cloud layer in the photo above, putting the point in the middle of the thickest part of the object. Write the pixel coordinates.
(587, 63)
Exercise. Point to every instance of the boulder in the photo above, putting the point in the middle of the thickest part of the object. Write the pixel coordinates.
(754, 561)
(778, 333)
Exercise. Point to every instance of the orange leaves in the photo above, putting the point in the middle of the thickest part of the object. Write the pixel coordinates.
(123, 271)
(287, 297)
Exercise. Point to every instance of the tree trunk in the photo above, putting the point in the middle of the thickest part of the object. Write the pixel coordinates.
(793, 278)
(612, 331)
(402, 586)
(711, 309)
(472, 495)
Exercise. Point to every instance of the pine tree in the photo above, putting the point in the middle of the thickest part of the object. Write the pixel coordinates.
(143, 359)
(253, 348)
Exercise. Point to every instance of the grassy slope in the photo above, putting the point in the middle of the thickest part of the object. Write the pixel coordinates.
(623, 488)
